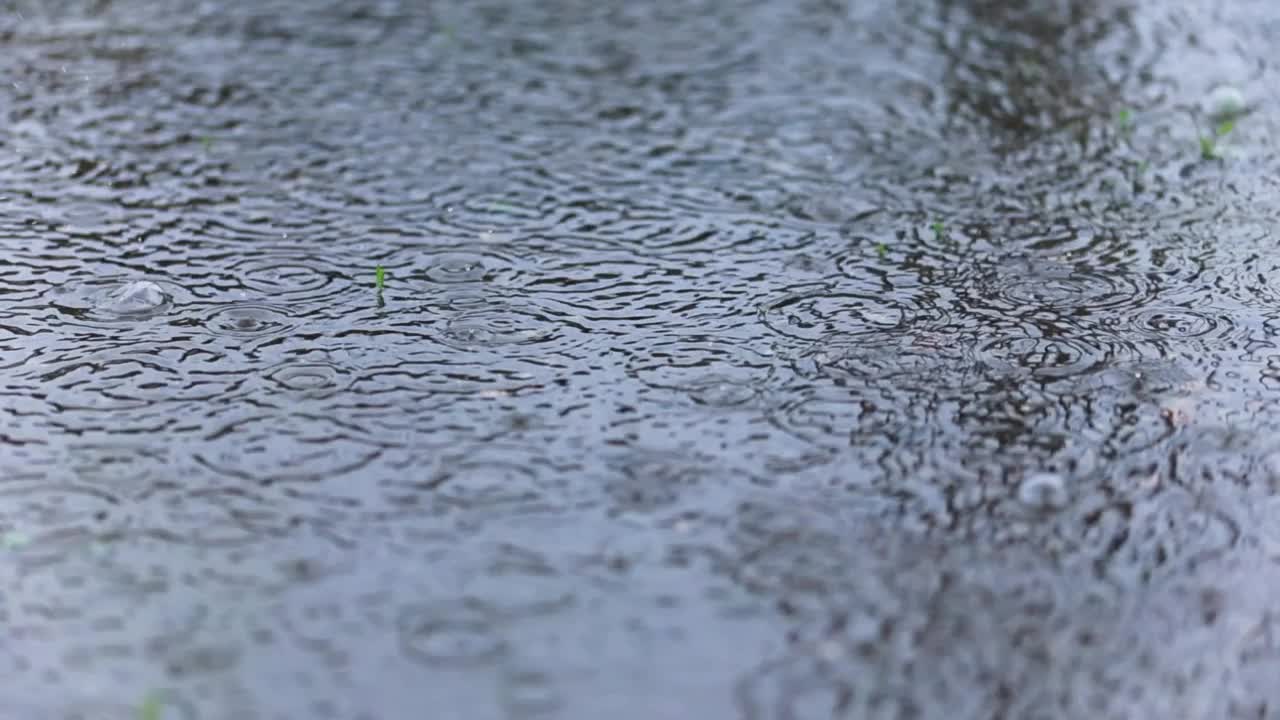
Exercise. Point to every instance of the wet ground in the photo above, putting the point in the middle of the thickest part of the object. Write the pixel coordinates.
(735, 360)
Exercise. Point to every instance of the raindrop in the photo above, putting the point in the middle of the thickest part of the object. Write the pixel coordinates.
(286, 276)
(497, 326)
(307, 378)
(1173, 323)
(457, 268)
(464, 635)
(249, 321)
(461, 265)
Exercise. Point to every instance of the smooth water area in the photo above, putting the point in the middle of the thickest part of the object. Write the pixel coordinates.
(758, 359)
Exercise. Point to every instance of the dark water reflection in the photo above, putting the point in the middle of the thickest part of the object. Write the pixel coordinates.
(754, 359)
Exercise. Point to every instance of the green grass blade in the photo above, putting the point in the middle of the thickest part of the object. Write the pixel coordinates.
(151, 708)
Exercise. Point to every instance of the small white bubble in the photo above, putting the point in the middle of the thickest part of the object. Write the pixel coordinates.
(1043, 491)
(1225, 101)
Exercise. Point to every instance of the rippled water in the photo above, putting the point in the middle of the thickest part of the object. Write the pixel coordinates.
(759, 359)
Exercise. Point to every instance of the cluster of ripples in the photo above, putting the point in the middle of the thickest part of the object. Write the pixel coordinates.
(755, 359)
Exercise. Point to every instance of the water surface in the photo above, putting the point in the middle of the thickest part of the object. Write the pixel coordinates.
(750, 359)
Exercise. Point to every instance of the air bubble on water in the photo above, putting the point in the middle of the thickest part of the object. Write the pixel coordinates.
(1224, 102)
(1043, 491)
(140, 298)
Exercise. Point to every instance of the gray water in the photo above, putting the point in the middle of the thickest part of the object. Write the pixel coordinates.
(772, 359)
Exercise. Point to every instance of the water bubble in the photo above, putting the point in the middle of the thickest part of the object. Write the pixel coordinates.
(1224, 102)
(1043, 491)
(134, 300)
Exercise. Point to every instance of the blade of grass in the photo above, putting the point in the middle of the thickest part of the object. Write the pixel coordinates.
(1124, 119)
(1208, 148)
(151, 708)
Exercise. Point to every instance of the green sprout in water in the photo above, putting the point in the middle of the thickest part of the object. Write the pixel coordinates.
(939, 230)
(379, 278)
(882, 249)
(1125, 120)
(1208, 148)
(151, 708)
(1209, 143)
